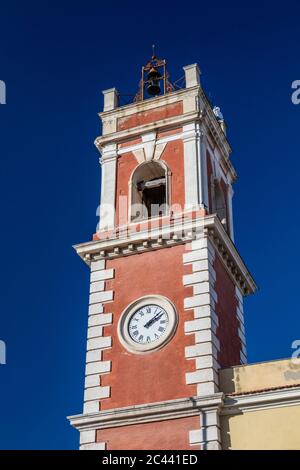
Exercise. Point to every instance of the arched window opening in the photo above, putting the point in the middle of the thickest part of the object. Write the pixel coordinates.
(220, 203)
(149, 191)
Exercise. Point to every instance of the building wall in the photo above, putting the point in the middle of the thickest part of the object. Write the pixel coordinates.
(264, 406)
(275, 428)
(168, 435)
(159, 376)
(227, 332)
(260, 376)
(146, 117)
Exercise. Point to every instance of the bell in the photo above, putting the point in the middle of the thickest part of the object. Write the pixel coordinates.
(153, 77)
(153, 88)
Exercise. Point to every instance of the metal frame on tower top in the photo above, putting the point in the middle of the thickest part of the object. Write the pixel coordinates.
(160, 66)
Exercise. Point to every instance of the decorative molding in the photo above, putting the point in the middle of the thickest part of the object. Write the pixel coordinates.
(237, 404)
(177, 231)
(160, 411)
(149, 149)
(140, 147)
(199, 111)
(134, 132)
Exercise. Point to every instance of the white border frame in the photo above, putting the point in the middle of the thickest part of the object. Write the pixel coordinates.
(126, 340)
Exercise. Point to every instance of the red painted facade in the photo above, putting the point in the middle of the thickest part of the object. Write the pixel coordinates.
(167, 435)
(158, 376)
(145, 117)
(227, 332)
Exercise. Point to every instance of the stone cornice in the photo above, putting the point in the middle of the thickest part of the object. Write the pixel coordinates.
(151, 103)
(185, 407)
(238, 404)
(231, 258)
(177, 231)
(146, 413)
(137, 131)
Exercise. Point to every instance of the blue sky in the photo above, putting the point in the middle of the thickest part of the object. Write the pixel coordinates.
(56, 57)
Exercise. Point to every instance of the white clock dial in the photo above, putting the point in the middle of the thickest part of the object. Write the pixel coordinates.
(148, 324)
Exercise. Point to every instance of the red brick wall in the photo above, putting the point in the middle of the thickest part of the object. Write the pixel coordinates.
(158, 376)
(227, 332)
(162, 435)
(145, 117)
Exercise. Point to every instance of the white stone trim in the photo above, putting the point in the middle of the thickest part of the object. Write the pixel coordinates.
(92, 381)
(110, 99)
(203, 177)
(94, 446)
(102, 342)
(191, 183)
(201, 349)
(204, 336)
(98, 367)
(192, 75)
(96, 393)
(100, 319)
(87, 437)
(95, 309)
(199, 324)
(91, 407)
(97, 341)
(101, 275)
(108, 186)
(204, 326)
(138, 149)
(94, 355)
(98, 265)
(199, 301)
(97, 286)
(204, 362)
(88, 441)
(105, 296)
(158, 237)
(208, 436)
(95, 331)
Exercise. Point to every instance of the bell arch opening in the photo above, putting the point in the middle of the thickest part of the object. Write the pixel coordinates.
(220, 203)
(149, 191)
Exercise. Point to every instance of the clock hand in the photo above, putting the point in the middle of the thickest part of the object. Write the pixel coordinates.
(154, 319)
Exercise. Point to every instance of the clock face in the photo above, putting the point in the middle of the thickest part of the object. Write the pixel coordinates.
(147, 324)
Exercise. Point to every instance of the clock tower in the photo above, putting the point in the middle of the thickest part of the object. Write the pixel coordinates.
(166, 280)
